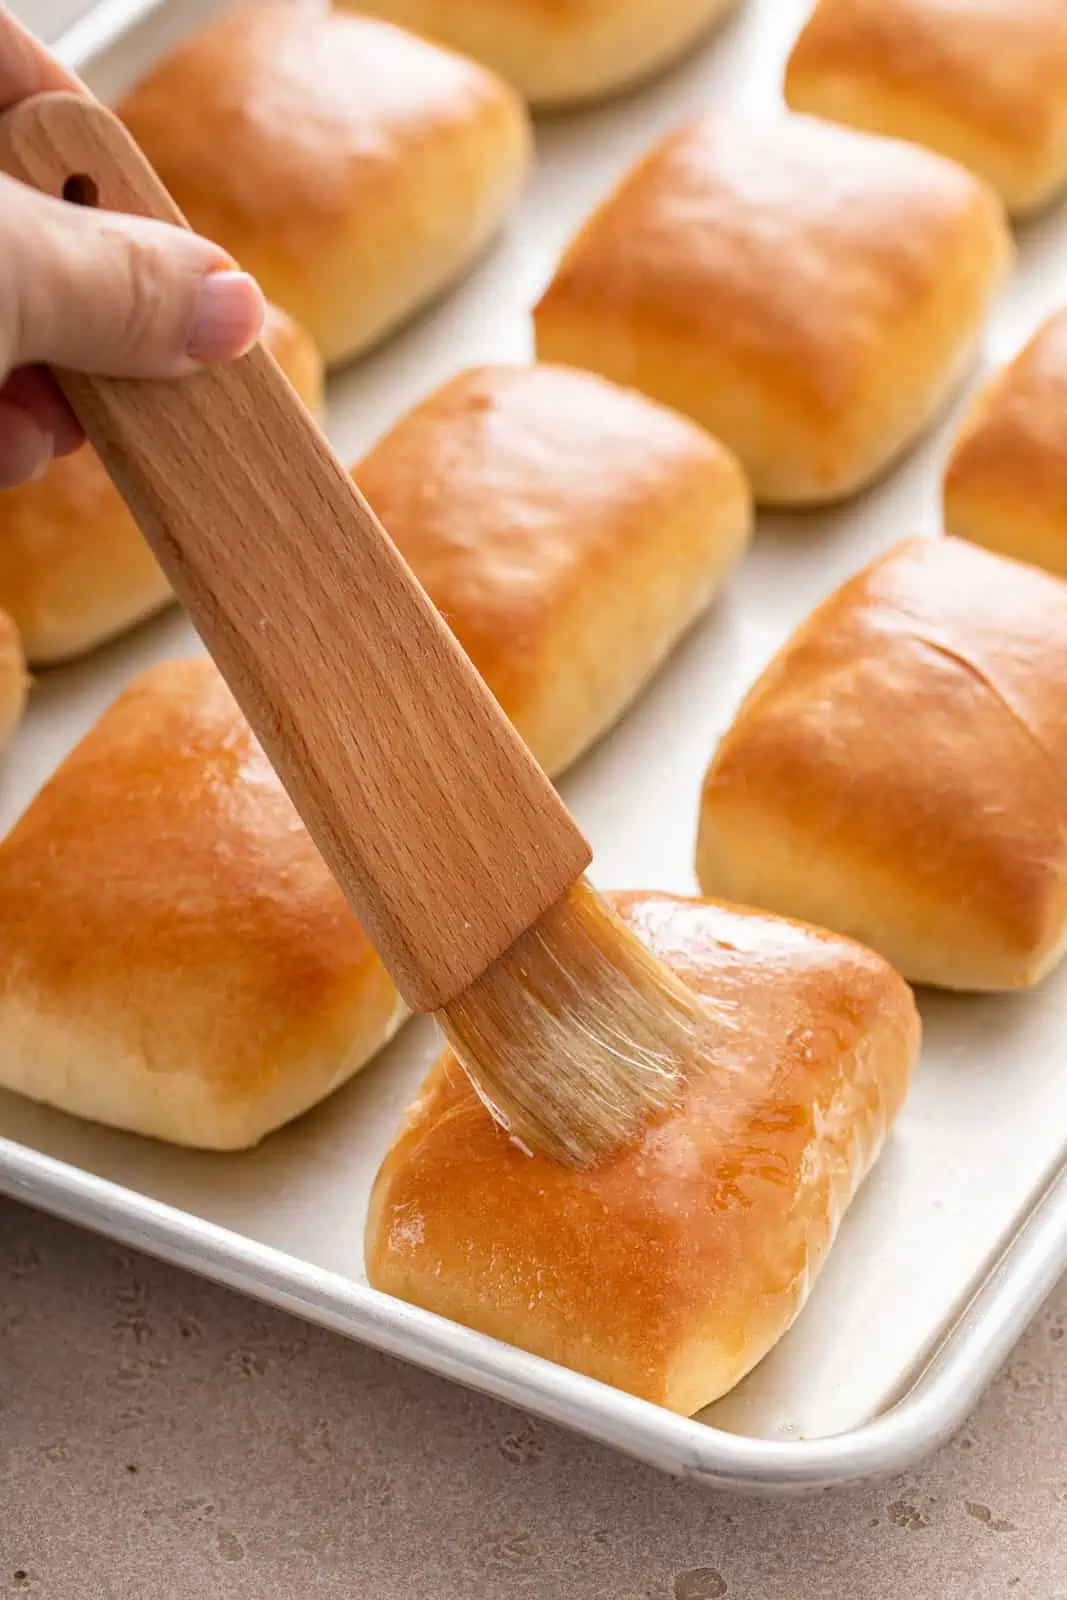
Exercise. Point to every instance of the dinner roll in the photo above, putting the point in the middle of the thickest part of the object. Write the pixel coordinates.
(174, 956)
(984, 81)
(569, 532)
(354, 169)
(558, 54)
(74, 569)
(899, 772)
(672, 1268)
(809, 294)
(1006, 483)
(12, 680)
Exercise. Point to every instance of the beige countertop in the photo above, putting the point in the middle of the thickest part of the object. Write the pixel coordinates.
(161, 1438)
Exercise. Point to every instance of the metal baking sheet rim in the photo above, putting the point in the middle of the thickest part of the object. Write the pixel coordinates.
(932, 1405)
(932, 1410)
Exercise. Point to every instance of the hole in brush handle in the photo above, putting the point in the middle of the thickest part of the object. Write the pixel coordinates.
(81, 190)
(70, 146)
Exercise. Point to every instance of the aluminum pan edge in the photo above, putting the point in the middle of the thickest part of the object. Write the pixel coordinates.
(924, 1418)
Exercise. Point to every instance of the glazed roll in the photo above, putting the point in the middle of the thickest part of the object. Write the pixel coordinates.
(983, 81)
(13, 681)
(898, 771)
(809, 294)
(355, 169)
(1006, 481)
(74, 569)
(177, 960)
(670, 1269)
(561, 54)
(569, 531)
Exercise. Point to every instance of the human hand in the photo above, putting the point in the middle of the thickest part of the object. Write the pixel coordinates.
(95, 292)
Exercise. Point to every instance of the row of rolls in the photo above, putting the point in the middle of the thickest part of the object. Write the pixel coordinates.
(767, 310)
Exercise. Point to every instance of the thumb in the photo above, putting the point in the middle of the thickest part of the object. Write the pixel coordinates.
(122, 296)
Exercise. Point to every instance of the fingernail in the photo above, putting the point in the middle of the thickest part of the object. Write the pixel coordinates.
(228, 316)
(25, 457)
(39, 453)
(45, 455)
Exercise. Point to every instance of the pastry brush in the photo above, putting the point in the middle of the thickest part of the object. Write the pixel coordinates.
(445, 836)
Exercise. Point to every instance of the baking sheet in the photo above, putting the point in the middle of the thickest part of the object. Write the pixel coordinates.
(962, 1227)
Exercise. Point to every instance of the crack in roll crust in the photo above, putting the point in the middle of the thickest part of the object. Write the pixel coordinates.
(899, 771)
(671, 1269)
(811, 295)
(353, 168)
(982, 81)
(175, 958)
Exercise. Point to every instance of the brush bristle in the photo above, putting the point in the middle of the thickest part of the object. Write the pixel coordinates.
(577, 1035)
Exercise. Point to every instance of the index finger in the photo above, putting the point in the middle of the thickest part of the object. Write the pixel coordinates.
(25, 65)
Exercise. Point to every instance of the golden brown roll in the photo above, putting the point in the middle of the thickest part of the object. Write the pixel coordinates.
(12, 680)
(983, 81)
(74, 569)
(560, 54)
(1006, 483)
(899, 772)
(174, 957)
(568, 530)
(354, 169)
(673, 1267)
(807, 293)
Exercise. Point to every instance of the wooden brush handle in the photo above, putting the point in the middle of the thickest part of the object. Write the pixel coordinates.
(438, 824)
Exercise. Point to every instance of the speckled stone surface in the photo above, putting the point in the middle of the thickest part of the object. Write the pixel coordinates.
(161, 1439)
